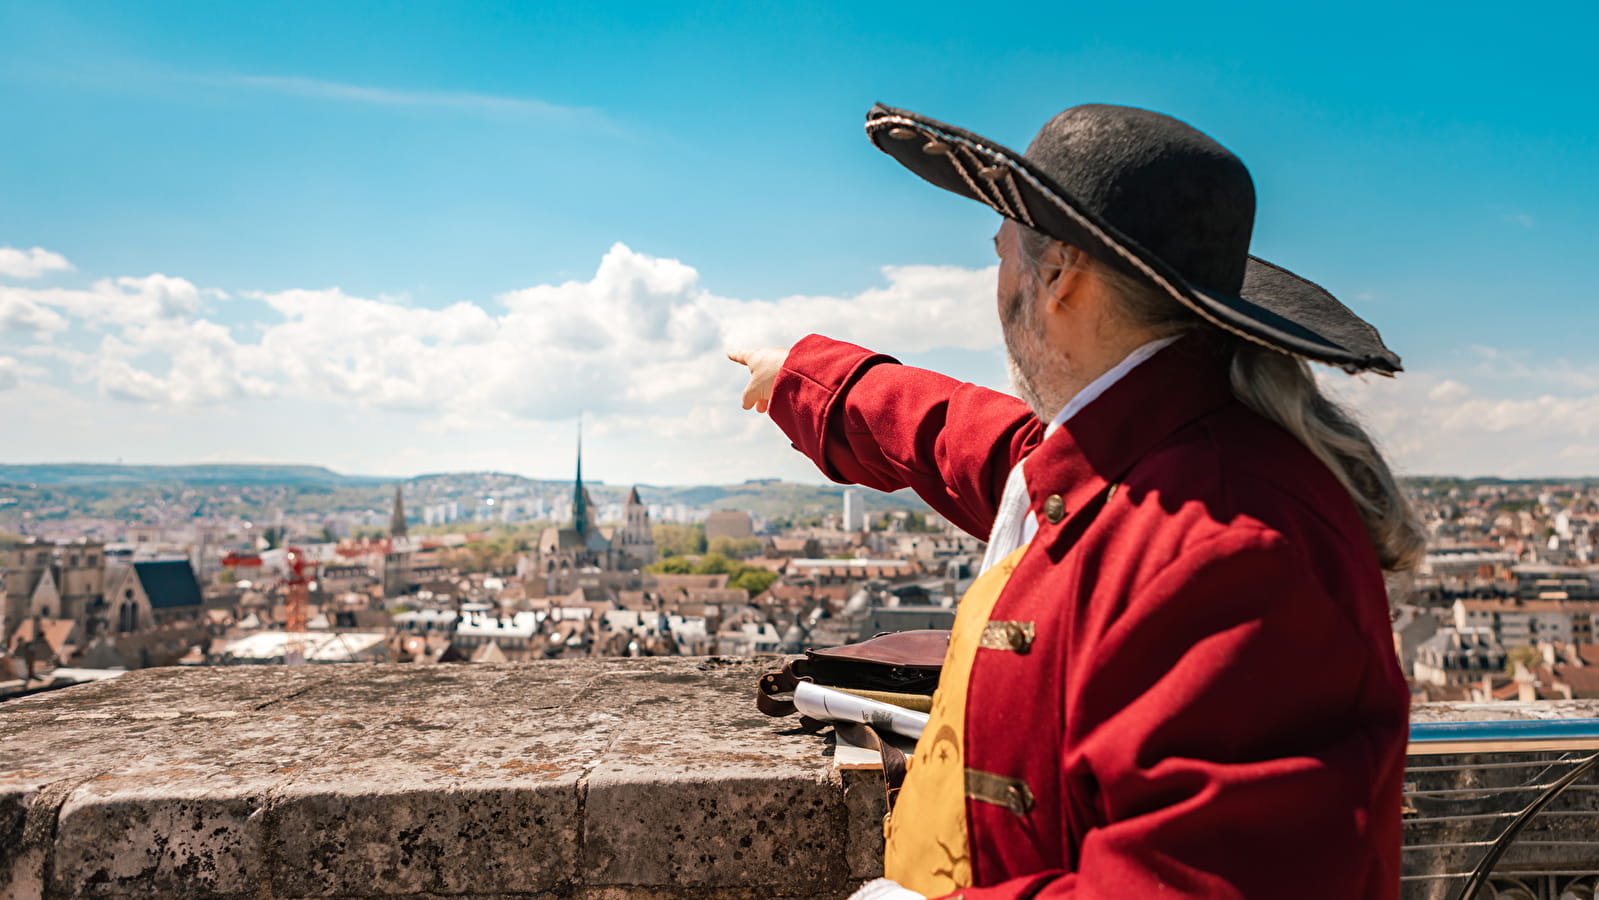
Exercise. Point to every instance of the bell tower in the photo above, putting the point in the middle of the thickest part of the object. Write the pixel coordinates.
(397, 517)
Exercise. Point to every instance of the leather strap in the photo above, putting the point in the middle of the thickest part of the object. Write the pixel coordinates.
(783, 681)
(894, 761)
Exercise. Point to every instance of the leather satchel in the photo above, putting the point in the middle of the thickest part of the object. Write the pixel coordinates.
(898, 667)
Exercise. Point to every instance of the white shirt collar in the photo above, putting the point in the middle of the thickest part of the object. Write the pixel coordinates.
(1013, 527)
(1099, 385)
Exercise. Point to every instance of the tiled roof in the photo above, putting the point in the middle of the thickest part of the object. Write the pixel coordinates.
(169, 583)
(1482, 604)
(668, 582)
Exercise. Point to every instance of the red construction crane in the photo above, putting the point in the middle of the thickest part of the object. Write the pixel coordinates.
(302, 572)
(299, 589)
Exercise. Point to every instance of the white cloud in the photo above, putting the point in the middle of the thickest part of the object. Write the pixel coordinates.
(1448, 391)
(22, 315)
(10, 373)
(31, 263)
(641, 338)
(1430, 424)
(178, 365)
(462, 101)
(1535, 370)
(639, 347)
(117, 302)
(922, 308)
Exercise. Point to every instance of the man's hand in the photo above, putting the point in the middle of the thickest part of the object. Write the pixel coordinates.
(764, 364)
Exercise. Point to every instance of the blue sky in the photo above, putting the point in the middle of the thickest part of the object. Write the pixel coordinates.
(370, 220)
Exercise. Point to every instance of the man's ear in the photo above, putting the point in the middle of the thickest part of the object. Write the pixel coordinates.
(1067, 266)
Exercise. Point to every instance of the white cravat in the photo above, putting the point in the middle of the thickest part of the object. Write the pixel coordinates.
(1013, 527)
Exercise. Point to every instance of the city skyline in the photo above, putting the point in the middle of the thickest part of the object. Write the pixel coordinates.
(425, 249)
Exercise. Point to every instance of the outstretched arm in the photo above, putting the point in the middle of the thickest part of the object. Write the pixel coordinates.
(865, 419)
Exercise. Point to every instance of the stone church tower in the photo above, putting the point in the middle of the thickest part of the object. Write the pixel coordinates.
(397, 561)
(634, 541)
(585, 545)
(582, 503)
(397, 527)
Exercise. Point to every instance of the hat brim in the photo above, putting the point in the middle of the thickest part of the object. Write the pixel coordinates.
(1275, 307)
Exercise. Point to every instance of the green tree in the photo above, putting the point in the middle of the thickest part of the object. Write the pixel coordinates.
(1527, 656)
(678, 540)
(737, 548)
(715, 564)
(752, 579)
(672, 565)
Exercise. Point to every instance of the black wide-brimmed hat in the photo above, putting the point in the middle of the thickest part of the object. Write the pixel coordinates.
(1153, 197)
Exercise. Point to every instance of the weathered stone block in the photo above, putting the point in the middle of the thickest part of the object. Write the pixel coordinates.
(696, 831)
(386, 841)
(866, 805)
(175, 843)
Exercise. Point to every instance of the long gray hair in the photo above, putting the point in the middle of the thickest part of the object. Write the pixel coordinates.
(1282, 389)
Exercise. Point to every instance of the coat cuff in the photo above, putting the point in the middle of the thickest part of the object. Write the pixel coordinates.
(809, 388)
(885, 889)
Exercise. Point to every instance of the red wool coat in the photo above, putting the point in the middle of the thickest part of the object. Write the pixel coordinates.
(1211, 706)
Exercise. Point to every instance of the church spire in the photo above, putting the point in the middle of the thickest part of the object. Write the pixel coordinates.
(397, 518)
(580, 497)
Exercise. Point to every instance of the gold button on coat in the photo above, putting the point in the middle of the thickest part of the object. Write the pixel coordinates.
(1054, 509)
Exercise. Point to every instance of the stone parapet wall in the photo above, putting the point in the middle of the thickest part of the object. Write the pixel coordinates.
(604, 779)
(591, 778)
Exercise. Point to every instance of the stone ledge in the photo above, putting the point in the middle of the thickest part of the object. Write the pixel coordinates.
(588, 778)
(652, 779)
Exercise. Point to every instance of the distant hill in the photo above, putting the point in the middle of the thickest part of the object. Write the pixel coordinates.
(54, 492)
(119, 491)
(774, 498)
(74, 474)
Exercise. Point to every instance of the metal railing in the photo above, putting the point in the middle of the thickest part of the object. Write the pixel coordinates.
(1506, 810)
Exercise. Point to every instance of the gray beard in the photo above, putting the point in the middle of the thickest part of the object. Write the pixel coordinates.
(1036, 369)
(1021, 384)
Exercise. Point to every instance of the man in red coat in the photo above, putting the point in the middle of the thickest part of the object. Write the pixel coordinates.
(1175, 676)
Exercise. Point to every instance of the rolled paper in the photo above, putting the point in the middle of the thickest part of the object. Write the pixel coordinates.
(917, 702)
(832, 705)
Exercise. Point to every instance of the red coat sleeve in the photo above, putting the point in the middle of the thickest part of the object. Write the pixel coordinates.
(865, 419)
(1228, 765)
